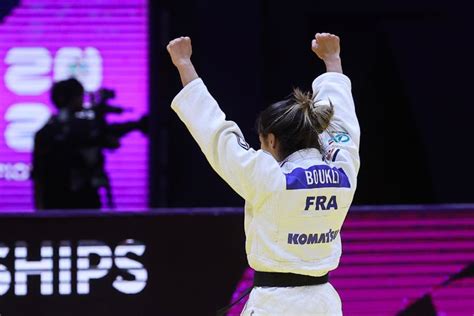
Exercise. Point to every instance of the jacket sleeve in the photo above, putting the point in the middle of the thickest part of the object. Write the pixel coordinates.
(252, 174)
(341, 144)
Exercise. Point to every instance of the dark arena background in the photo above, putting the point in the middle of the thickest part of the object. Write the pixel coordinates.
(169, 238)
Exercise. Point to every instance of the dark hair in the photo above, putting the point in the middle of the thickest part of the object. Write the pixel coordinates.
(296, 122)
(63, 92)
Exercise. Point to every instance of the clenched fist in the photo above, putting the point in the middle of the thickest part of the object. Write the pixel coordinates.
(326, 46)
(180, 50)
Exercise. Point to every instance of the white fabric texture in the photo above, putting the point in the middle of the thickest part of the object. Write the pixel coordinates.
(295, 209)
(316, 300)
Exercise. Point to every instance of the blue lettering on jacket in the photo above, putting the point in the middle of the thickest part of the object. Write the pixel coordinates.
(321, 203)
(315, 238)
(319, 176)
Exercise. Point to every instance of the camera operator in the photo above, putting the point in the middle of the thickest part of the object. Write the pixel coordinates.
(68, 162)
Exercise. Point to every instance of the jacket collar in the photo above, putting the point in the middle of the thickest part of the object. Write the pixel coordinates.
(302, 154)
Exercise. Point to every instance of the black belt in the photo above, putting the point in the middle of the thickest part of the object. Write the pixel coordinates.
(277, 279)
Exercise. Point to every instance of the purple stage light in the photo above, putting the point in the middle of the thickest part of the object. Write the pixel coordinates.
(103, 43)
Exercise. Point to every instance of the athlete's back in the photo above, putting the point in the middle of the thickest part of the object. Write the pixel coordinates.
(298, 187)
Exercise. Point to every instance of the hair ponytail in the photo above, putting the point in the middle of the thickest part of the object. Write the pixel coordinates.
(296, 122)
(322, 114)
(318, 115)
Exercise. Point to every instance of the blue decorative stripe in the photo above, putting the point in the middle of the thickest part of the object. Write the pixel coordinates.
(335, 155)
(319, 176)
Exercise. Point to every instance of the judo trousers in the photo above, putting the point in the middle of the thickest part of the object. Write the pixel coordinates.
(314, 300)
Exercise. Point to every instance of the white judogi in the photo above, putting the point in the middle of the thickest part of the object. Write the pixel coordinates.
(295, 208)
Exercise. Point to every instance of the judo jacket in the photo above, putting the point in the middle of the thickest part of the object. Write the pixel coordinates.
(294, 209)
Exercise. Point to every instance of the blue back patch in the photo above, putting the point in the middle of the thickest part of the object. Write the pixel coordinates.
(319, 176)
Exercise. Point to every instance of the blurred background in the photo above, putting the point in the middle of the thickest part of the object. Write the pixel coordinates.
(409, 65)
(410, 232)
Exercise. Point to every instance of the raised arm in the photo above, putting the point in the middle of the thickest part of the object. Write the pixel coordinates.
(334, 87)
(252, 174)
